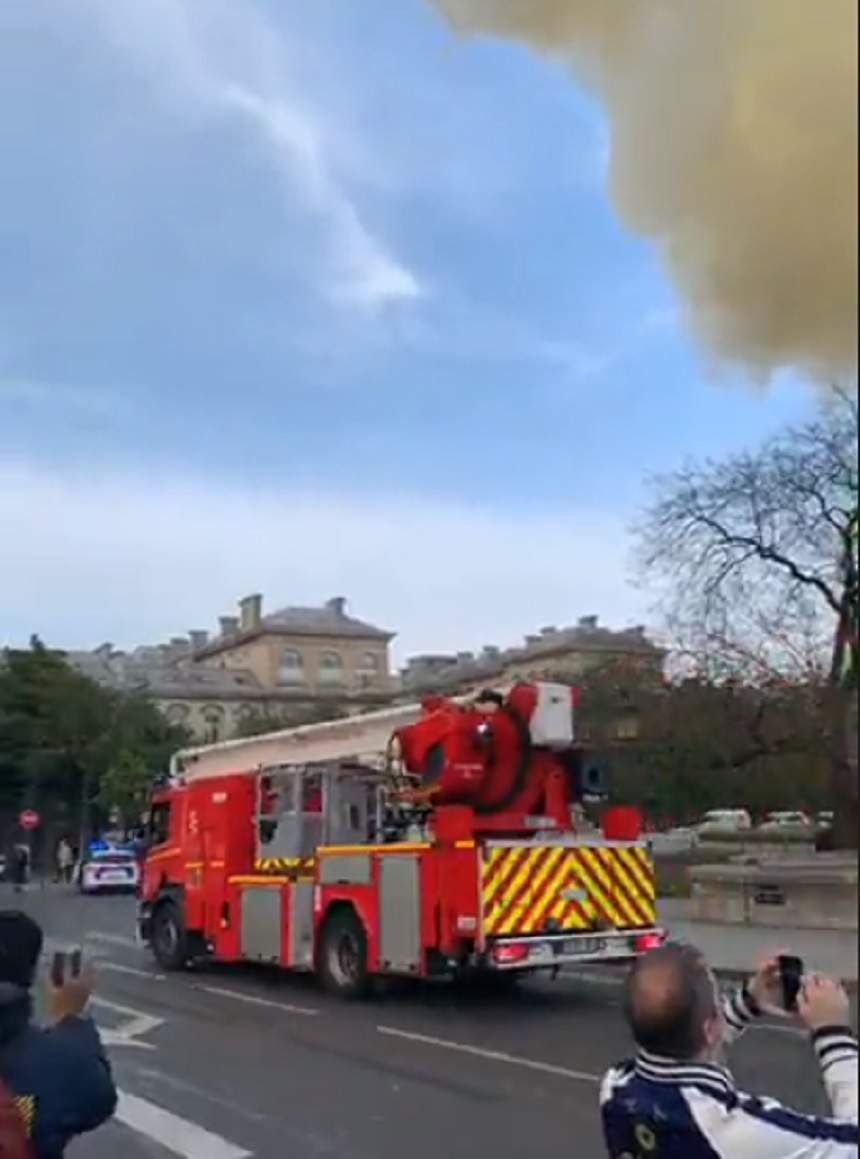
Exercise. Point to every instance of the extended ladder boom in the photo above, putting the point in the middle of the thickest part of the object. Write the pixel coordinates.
(355, 738)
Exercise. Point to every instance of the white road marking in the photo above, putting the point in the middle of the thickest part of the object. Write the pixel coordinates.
(252, 1000)
(132, 1030)
(127, 943)
(178, 1135)
(118, 968)
(117, 1038)
(491, 1055)
(55, 946)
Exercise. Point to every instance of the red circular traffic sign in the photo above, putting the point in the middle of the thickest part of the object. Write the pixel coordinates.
(29, 819)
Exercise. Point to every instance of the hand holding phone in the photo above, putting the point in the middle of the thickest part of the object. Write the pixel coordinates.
(823, 1002)
(66, 964)
(791, 977)
(70, 986)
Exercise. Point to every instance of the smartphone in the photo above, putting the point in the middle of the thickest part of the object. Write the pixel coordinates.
(791, 973)
(66, 963)
(58, 968)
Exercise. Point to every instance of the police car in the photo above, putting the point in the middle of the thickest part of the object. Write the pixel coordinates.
(109, 869)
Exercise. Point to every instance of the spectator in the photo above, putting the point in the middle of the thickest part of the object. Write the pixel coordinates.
(60, 1077)
(65, 861)
(20, 871)
(677, 1099)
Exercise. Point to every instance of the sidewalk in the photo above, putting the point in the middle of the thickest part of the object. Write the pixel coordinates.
(735, 949)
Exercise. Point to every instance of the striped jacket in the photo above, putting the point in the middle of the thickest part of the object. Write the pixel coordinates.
(654, 1108)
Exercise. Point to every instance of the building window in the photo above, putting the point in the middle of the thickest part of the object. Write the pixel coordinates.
(291, 669)
(627, 728)
(331, 668)
(213, 723)
(368, 670)
(177, 714)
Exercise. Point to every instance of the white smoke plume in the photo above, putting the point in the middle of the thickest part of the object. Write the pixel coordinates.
(734, 149)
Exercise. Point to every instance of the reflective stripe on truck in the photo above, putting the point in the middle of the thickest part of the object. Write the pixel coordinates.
(528, 889)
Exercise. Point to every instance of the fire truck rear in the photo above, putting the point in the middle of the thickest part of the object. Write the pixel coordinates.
(419, 842)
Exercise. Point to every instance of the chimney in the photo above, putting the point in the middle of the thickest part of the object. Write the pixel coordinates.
(338, 606)
(229, 625)
(465, 657)
(490, 652)
(199, 639)
(250, 612)
(547, 632)
(531, 641)
(589, 623)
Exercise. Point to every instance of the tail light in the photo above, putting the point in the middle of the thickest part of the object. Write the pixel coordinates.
(511, 953)
(645, 943)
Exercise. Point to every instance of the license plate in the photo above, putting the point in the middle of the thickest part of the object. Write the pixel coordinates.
(118, 875)
(574, 946)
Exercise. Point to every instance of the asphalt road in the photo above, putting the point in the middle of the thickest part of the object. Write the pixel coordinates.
(226, 1064)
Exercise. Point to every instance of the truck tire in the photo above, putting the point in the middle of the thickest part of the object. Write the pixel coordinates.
(169, 938)
(343, 964)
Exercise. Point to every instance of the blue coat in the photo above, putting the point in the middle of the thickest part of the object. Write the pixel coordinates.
(59, 1076)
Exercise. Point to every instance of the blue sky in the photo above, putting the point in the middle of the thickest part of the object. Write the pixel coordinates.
(317, 299)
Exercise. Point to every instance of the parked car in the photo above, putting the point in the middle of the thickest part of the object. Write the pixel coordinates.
(724, 821)
(825, 820)
(673, 842)
(109, 870)
(785, 821)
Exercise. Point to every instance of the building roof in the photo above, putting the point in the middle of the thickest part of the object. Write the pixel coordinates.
(325, 621)
(446, 673)
(331, 621)
(161, 672)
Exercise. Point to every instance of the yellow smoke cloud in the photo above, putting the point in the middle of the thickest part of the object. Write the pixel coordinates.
(734, 149)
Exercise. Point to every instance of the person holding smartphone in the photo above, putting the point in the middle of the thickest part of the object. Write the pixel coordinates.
(57, 1076)
(677, 1100)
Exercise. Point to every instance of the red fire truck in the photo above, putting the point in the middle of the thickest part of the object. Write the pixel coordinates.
(419, 841)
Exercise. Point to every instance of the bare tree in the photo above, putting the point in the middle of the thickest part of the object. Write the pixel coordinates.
(756, 560)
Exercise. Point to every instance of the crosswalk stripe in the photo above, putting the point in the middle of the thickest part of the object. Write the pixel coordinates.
(183, 1138)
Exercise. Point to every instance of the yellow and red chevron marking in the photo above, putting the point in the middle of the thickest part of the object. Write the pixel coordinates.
(291, 866)
(528, 889)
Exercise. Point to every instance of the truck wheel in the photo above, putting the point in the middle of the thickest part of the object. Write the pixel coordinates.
(169, 939)
(343, 956)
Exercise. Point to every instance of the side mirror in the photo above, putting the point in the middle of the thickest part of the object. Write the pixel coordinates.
(593, 784)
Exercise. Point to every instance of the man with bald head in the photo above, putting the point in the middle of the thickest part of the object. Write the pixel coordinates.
(677, 1100)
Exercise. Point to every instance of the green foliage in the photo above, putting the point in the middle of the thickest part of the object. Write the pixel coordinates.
(126, 786)
(64, 739)
(699, 745)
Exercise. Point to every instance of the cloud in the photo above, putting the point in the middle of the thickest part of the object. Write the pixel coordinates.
(230, 62)
(92, 556)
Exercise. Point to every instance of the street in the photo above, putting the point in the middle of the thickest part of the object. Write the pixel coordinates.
(225, 1064)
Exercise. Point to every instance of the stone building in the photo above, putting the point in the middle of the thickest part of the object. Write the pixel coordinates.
(565, 654)
(281, 666)
(301, 662)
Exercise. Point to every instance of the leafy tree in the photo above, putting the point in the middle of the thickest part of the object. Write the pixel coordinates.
(126, 787)
(756, 557)
(61, 734)
(697, 745)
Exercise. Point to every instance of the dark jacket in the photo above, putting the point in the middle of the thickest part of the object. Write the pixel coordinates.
(60, 1076)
